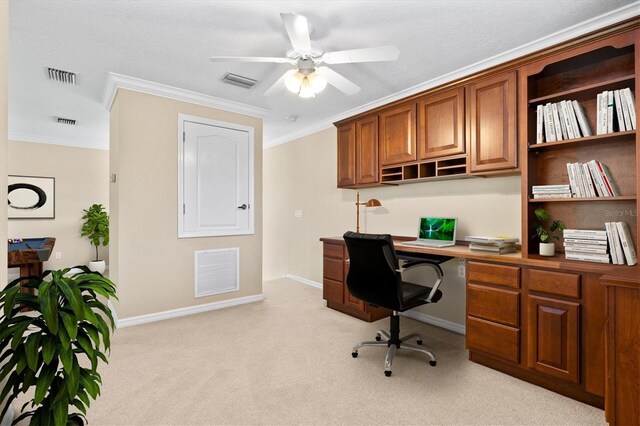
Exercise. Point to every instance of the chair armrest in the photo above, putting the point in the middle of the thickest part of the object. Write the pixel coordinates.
(435, 267)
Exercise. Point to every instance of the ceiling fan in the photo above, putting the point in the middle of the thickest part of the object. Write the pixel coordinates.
(308, 78)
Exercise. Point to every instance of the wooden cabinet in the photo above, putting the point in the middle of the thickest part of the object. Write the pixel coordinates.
(335, 269)
(491, 123)
(358, 153)
(441, 124)
(397, 139)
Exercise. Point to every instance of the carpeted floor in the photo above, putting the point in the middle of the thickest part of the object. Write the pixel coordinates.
(287, 360)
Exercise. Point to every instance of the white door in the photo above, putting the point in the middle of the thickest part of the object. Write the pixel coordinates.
(216, 170)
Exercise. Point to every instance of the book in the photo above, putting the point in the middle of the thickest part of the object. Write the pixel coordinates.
(580, 249)
(567, 120)
(549, 128)
(610, 114)
(540, 124)
(588, 257)
(572, 180)
(582, 119)
(493, 249)
(573, 119)
(552, 195)
(612, 246)
(606, 176)
(585, 238)
(589, 182)
(569, 240)
(587, 244)
(556, 122)
(497, 239)
(617, 243)
(627, 243)
(625, 111)
(598, 184)
(577, 170)
(601, 114)
(550, 187)
(619, 112)
(597, 232)
(631, 103)
(563, 121)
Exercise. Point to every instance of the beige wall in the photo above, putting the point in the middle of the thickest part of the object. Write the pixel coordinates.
(301, 175)
(4, 35)
(154, 270)
(82, 179)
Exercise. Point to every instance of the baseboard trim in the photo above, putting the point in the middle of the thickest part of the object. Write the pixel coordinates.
(181, 312)
(8, 417)
(438, 322)
(303, 280)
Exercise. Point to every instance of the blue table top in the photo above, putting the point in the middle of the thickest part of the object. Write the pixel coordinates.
(28, 244)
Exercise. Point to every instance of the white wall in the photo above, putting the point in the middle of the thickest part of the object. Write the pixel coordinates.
(301, 175)
(81, 179)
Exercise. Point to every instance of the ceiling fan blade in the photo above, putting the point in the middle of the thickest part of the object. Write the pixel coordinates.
(338, 81)
(279, 84)
(370, 54)
(297, 30)
(251, 59)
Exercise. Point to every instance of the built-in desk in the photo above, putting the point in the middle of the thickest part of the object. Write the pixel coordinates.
(536, 318)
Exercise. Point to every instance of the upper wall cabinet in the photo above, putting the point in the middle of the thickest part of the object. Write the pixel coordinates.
(441, 124)
(491, 123)
(398, 134)
(358, 153)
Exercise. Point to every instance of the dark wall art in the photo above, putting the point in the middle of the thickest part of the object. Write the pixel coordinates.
(31, 197)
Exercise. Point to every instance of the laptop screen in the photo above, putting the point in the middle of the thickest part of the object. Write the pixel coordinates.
(437, 229)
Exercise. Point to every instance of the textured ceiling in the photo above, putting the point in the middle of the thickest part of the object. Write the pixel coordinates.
(169, 42)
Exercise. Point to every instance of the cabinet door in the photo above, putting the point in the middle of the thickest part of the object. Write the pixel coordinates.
(398, 135)
(346, 155)
(350, 300)
(553, 329)
(491, 123)
(367, 150)
(441, 124)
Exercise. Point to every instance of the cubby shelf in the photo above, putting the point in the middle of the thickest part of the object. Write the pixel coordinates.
(586, 91)
(582, 199)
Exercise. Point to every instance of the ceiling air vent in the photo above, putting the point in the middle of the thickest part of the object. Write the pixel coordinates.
(62, 76)
(67, 121)
(238, 80)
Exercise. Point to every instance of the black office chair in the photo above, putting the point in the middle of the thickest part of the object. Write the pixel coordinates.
(375, 277)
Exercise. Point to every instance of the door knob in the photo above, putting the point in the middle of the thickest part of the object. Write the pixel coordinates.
(243, 207)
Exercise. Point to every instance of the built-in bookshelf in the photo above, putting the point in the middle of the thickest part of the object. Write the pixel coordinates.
(579, 75)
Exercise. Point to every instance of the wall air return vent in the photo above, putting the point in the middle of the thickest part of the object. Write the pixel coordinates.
(62, 76)
(67, 121)
(238, 80)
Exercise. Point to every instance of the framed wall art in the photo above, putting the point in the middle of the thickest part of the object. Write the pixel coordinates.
(31, 197)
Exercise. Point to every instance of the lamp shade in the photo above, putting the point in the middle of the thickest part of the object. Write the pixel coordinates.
(372, 203)
(305, 85)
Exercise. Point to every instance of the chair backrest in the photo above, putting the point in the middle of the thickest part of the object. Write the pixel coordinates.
(373, 270)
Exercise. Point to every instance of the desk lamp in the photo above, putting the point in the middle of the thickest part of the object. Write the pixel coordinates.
(371, 203)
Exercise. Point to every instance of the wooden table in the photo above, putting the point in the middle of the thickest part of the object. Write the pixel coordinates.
(29, 254)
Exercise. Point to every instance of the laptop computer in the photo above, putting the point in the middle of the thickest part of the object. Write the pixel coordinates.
(435, 232)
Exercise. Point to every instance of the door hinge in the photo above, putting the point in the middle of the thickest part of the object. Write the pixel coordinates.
(184, 137)
(184, 209)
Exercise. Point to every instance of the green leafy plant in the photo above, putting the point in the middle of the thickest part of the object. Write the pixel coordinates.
(96, 226)
(56, 348)
(546, 229)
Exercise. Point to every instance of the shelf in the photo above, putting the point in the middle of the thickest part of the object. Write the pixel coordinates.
(571, 143)
(585, 91)
(457, 166)
(582, 199)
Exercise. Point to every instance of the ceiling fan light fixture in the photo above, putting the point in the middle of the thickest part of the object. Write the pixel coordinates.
(293, 82)
(306, 89)
(305, 85)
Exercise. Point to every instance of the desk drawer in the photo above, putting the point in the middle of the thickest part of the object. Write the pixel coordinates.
(333, 269)
(559, 283)
(332, 291)
(508, 276)
(494, 304)
(335, 251)
(494, 339)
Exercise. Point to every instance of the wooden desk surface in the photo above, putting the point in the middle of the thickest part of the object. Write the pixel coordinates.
(462, 251)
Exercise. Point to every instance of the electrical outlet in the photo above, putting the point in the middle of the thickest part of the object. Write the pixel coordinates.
(297, 213)
(58, 255)
(461, 271)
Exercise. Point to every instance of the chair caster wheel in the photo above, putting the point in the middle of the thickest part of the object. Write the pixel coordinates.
(354, 354)
(378, 338)
(387, 373)
(419, 342)
(432, 363)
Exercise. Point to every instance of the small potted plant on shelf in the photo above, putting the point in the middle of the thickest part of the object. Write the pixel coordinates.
(56, 348)
(96, 228)
(545, 231)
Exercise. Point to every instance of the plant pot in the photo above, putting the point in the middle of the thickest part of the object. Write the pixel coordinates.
(547, 249)
(97, 266)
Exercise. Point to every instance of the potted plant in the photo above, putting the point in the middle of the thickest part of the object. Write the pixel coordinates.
(545, 231)
(55, 349)
(96, 228)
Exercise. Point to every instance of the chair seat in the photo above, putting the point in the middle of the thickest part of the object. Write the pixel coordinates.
(414, 295)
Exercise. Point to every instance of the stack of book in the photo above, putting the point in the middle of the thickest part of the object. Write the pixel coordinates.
(620, 243)
(498, 245)
(551, 191)
(616, 111)
(560, 121)
(591, 179)
(586, 245)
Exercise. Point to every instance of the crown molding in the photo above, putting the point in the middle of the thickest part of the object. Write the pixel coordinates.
(580, 29)
(74, 143)
(119, 81)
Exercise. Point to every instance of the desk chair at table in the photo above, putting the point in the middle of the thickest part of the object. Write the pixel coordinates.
(375, 277)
